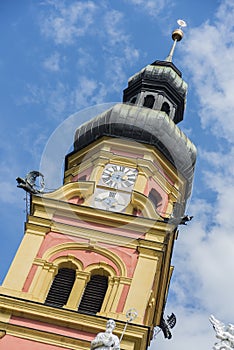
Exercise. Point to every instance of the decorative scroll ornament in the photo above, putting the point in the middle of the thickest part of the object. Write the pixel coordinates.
(225, 334)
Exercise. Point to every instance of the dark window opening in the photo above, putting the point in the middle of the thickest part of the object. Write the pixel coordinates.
(133, 100)
(149, 101)
(165, 108)
(136, 212)
(155, 198)
(82, 178)
(94, 295)
(61, 287)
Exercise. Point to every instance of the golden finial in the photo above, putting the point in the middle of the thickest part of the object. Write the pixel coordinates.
(177, 35)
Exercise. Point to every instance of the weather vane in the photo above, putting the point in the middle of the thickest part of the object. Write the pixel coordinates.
(177, 35)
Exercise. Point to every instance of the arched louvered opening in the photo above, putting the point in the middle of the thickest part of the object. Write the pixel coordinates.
(61, 287)
(94, 295)
(149, 101)
(165, 108)
(155, 198)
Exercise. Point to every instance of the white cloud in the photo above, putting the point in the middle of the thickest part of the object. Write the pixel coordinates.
(61, 100)
(32, 138)
(58, 100)
(52, 63)
(8, 190)
(68, 21)
(34, 95)
(192, 331)
(10, 169)
(151, 7)
(88, 93)
(53, 97)
(106, 28)
(118, 49)
(209, 53)
(85, 58)
(113, 28)
(207, 264)
(131, 54)
(203, 281)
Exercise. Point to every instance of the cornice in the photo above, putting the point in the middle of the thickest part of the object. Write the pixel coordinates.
(50, 207)
(42, 336)
(28, 310)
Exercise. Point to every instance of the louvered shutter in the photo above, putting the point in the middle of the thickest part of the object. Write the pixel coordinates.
(61, 287)
(94, 295)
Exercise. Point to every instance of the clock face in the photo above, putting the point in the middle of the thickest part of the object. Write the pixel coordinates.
(110, 200)
(119, 177)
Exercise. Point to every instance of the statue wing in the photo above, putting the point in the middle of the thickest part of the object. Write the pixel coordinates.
(218, 326)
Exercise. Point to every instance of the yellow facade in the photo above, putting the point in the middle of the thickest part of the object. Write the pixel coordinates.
(104, 233)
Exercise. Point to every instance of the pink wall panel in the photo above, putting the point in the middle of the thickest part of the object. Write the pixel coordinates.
(12, 343)
(123, 298)
(51, 328)
(29, 278)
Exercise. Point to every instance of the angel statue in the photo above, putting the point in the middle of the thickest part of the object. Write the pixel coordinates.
(224, 333)
(106, 340)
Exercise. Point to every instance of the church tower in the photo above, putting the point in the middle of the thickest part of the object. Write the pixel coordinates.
(100, 246)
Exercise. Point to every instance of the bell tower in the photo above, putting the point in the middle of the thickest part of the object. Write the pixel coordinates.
(101, 244)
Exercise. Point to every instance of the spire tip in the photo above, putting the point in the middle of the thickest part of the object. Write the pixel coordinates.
(177, 35)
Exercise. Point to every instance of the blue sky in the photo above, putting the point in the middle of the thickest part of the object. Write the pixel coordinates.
(59, 57)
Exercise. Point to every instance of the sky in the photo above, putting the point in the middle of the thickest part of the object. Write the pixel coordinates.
(58, 58)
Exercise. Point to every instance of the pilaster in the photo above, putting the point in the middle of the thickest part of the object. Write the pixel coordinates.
(24, 257)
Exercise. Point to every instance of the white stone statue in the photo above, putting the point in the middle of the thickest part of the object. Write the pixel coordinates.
(106, 340)
(224, 333)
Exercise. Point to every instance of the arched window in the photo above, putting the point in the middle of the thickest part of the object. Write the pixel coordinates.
(165, 108)
(133, 100)
(149, 101)
(94, 295)
(155, 198)
(61, 287)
